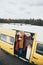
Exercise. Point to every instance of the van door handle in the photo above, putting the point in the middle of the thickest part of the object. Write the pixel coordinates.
(35, 57)
(11, 48)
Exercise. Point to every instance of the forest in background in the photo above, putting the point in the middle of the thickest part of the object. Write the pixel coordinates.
(38, 22)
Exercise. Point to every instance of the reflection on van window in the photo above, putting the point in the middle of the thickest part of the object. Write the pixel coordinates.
(39, 49)
(3, 37)
(11, 41)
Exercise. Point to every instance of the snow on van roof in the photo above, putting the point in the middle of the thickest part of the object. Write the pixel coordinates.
(30, 28)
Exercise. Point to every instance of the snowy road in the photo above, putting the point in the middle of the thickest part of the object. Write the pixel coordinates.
(6, 59)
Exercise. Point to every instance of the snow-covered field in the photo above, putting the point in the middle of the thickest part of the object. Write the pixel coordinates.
(30, 28)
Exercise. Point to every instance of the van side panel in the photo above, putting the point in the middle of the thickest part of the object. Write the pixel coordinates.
(6, 45)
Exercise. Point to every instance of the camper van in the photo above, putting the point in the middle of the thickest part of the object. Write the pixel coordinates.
(22, 44)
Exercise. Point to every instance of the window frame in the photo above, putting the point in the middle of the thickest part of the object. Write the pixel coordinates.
(38, 50)
(10, 42)
(2, 38)
(6, 39)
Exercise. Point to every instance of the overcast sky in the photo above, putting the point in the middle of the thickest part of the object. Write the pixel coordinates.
(21, 9)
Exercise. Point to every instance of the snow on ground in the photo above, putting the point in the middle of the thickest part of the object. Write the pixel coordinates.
(30, 28)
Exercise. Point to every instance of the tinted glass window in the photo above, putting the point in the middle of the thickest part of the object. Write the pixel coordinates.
(11, 40)
(3, 37)
(39, 49)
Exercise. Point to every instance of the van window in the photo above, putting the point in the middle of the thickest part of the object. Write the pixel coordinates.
(11, 41)
(3, 37)
(39, 49)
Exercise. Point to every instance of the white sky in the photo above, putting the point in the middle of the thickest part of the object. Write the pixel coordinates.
(21, 9)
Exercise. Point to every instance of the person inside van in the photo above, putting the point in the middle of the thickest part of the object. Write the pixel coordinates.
(20, 43)
(17, 42)
(27, 39)
(28, 51)
(27, 45)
